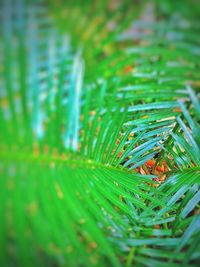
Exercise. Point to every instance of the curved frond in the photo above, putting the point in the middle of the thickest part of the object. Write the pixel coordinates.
(100, 135)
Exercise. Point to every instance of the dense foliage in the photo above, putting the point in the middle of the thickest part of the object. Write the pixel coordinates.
(100, 133)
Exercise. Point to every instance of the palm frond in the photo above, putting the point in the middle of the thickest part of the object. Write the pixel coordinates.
(89, 96)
